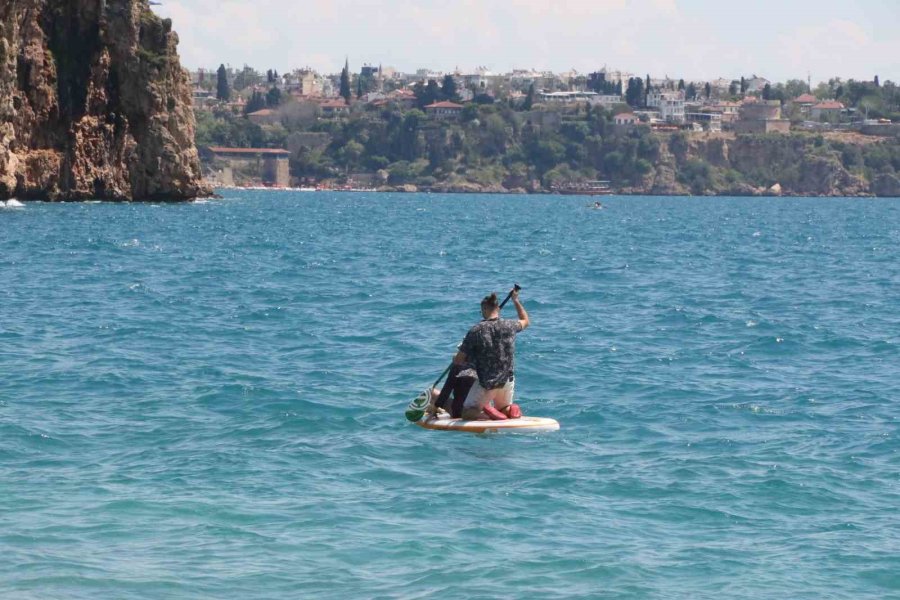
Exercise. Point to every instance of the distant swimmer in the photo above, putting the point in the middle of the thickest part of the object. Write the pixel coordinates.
(597, 204)
(490, 348)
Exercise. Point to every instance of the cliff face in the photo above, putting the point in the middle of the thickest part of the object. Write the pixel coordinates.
(753, 165)
(93, 103)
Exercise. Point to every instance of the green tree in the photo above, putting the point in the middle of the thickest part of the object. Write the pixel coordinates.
(634, 95)
(483, 99)
(448, 88)
(345, 82)
(407, 141)
(697, 174)
(256, 102)
(469, 112)
(733, 89)
(529, 98)
(246, 77)
(545, 154)
(223, 91)
(744, 85)
(794, 88)
(273, 97)
(350, 154)
(432, 91)
(426, 93)
(707, 90)
(767, 92)
(691, 92)
(681, 85)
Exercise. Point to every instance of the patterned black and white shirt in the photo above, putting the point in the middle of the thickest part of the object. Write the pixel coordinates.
(491, 346)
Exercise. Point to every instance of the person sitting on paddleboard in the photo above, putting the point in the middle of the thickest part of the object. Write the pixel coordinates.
(490, 346)
(459, 382)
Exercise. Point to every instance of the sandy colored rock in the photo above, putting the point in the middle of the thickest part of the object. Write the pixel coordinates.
(94, 103)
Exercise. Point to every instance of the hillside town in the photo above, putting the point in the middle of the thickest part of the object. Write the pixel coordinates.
(525, 130)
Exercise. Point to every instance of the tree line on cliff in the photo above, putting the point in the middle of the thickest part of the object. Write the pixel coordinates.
(496, 147)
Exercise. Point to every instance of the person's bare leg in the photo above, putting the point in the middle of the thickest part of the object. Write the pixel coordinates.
(503, 397)
(431, 409)
(473, 414)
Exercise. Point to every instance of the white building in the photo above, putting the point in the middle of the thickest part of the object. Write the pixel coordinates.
(710, 121)
(617, 77)
(670, 105)
(605, 100)
(625, 119)
(426, 74)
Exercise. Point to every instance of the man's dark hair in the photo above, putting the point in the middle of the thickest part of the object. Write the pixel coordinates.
(490, 302)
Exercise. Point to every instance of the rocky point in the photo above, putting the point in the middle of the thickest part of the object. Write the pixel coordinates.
(93, 103)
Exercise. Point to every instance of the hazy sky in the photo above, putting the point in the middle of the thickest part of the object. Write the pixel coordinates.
(694, 39)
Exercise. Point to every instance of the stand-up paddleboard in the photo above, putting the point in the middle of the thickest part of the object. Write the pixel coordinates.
(520, 425)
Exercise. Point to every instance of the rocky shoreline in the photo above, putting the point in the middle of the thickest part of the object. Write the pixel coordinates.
(501, 191)
(742, 191)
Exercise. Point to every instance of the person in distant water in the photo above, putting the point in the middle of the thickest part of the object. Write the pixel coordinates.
(490, 347)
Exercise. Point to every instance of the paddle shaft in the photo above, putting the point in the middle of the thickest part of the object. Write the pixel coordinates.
(516, 287)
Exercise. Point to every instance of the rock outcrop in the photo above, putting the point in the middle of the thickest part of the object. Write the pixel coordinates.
(752, 165)
(93, 103)
(886, 184)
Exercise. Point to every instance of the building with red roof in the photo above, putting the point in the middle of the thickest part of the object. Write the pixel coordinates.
(827, 110)
(443, 110)
(264, 116)
(334, 108)
(804, 102)
(625, 119)
(805, 99)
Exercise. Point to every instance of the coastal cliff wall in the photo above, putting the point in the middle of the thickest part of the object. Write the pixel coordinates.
(93, 103)
(762, 164)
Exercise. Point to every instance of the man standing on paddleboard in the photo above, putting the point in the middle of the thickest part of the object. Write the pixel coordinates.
(491, 345)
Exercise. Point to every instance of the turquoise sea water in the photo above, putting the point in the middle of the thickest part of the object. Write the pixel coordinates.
(206, 400)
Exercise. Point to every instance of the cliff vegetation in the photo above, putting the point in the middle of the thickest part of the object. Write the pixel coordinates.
(495, 148)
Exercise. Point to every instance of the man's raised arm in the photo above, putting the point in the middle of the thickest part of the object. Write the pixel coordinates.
(523, 316)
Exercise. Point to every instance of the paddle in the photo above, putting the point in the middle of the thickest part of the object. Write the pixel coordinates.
(417, 407)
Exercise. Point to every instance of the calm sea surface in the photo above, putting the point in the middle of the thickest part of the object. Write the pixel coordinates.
(206, 400)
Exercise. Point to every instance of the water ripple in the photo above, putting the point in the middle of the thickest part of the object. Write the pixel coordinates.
(205, 400)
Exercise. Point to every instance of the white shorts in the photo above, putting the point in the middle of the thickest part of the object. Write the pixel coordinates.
(478, 397)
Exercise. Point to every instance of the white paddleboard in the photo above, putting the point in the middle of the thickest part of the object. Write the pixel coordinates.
(520, 425)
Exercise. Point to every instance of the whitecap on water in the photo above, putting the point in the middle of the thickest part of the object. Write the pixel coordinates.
(11, 203)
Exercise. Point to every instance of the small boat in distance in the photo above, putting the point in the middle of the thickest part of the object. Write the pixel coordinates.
(583, 188)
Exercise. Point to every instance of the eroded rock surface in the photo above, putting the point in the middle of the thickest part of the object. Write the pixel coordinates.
(93, 103)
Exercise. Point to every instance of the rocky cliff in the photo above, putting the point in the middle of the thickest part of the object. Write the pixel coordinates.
(93, 103)
(758, 165)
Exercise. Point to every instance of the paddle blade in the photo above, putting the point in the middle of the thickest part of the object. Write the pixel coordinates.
(414, 415)
(416, 408)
